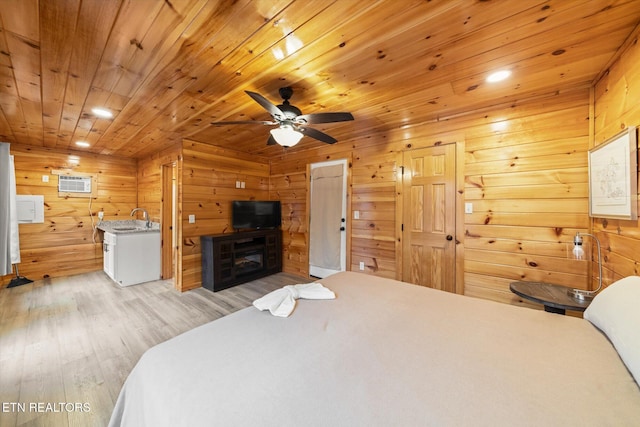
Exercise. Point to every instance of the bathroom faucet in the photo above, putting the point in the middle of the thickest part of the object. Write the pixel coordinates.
(145, 215)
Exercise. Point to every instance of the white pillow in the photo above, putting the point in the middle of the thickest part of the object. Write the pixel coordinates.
(616, 312)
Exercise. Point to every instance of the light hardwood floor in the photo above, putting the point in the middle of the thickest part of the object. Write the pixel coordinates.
(68, 344)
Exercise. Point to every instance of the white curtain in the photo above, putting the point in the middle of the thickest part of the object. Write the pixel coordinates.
(326, 202)
(13, 214)
(9, 238)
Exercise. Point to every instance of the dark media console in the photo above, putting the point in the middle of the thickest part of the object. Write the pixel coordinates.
(235, 258)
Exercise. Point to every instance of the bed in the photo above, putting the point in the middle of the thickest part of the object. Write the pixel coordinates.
(386, 353)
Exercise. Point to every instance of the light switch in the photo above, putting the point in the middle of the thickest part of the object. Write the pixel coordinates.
(468, 208)
(356, 214)
(242, 184)
(192, 219)
(45, 178)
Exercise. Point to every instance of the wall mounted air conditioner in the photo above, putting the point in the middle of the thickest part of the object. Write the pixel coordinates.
(74, 184)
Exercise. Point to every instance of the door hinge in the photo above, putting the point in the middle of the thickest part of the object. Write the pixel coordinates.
(402, 170)
(401, 227)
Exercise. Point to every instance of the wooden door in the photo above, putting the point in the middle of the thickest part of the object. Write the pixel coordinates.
(429, 217)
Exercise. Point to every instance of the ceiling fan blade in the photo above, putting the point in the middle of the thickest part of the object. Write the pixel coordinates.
(323, 118)
(271, 140)
(316, 134)
(245, 122)
(264, 102)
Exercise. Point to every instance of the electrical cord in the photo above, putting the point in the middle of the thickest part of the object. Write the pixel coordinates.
(93, 227)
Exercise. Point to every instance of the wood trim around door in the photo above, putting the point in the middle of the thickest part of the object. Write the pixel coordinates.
(348, 206)
(169, 184)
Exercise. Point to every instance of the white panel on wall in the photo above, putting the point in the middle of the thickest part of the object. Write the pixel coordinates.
(30, 209)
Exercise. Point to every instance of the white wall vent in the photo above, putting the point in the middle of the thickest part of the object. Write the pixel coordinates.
(74, 184)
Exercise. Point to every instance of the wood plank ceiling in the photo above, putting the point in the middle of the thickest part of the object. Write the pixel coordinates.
(168, 69)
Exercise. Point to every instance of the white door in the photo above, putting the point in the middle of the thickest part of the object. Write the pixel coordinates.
(327, 218)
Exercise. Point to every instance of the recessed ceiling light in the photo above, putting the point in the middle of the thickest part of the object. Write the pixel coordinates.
(102, 113)
(82, 144)
(498, 76)
(500, 125)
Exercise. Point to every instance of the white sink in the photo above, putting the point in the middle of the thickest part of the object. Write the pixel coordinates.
(128, 226)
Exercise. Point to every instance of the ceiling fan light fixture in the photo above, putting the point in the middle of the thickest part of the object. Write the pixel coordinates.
(286, 135)
(292, 123)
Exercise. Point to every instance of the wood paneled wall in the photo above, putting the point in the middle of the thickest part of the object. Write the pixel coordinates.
(525, 172)
(526, 176)
(66, 243)
(153, 192)
(289, 184)
(208, 185)
(150, 180)
(616, 107)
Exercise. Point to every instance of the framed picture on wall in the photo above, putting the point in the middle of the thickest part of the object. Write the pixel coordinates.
(613, 177)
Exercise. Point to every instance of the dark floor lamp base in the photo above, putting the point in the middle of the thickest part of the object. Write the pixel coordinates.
(18, 281)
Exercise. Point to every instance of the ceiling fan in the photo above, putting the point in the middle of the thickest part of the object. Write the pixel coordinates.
(290, 120)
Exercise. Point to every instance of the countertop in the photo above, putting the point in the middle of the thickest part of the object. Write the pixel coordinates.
(128, 226)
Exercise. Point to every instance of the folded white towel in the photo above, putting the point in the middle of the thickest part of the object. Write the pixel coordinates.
(282, 301)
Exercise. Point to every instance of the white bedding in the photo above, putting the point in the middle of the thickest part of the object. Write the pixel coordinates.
(383, 353)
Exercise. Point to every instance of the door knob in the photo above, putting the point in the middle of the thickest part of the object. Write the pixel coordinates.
(449, 237)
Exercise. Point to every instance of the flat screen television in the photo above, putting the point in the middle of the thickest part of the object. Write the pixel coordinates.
(253, 214)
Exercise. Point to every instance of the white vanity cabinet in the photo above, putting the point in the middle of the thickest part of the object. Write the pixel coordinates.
(132, 257)
(108, 254)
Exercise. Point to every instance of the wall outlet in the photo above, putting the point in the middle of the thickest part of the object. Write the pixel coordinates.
(192, 219)
(356, 214)
(237, 184)
(468, 208)
(45, 178)
(361, 265)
